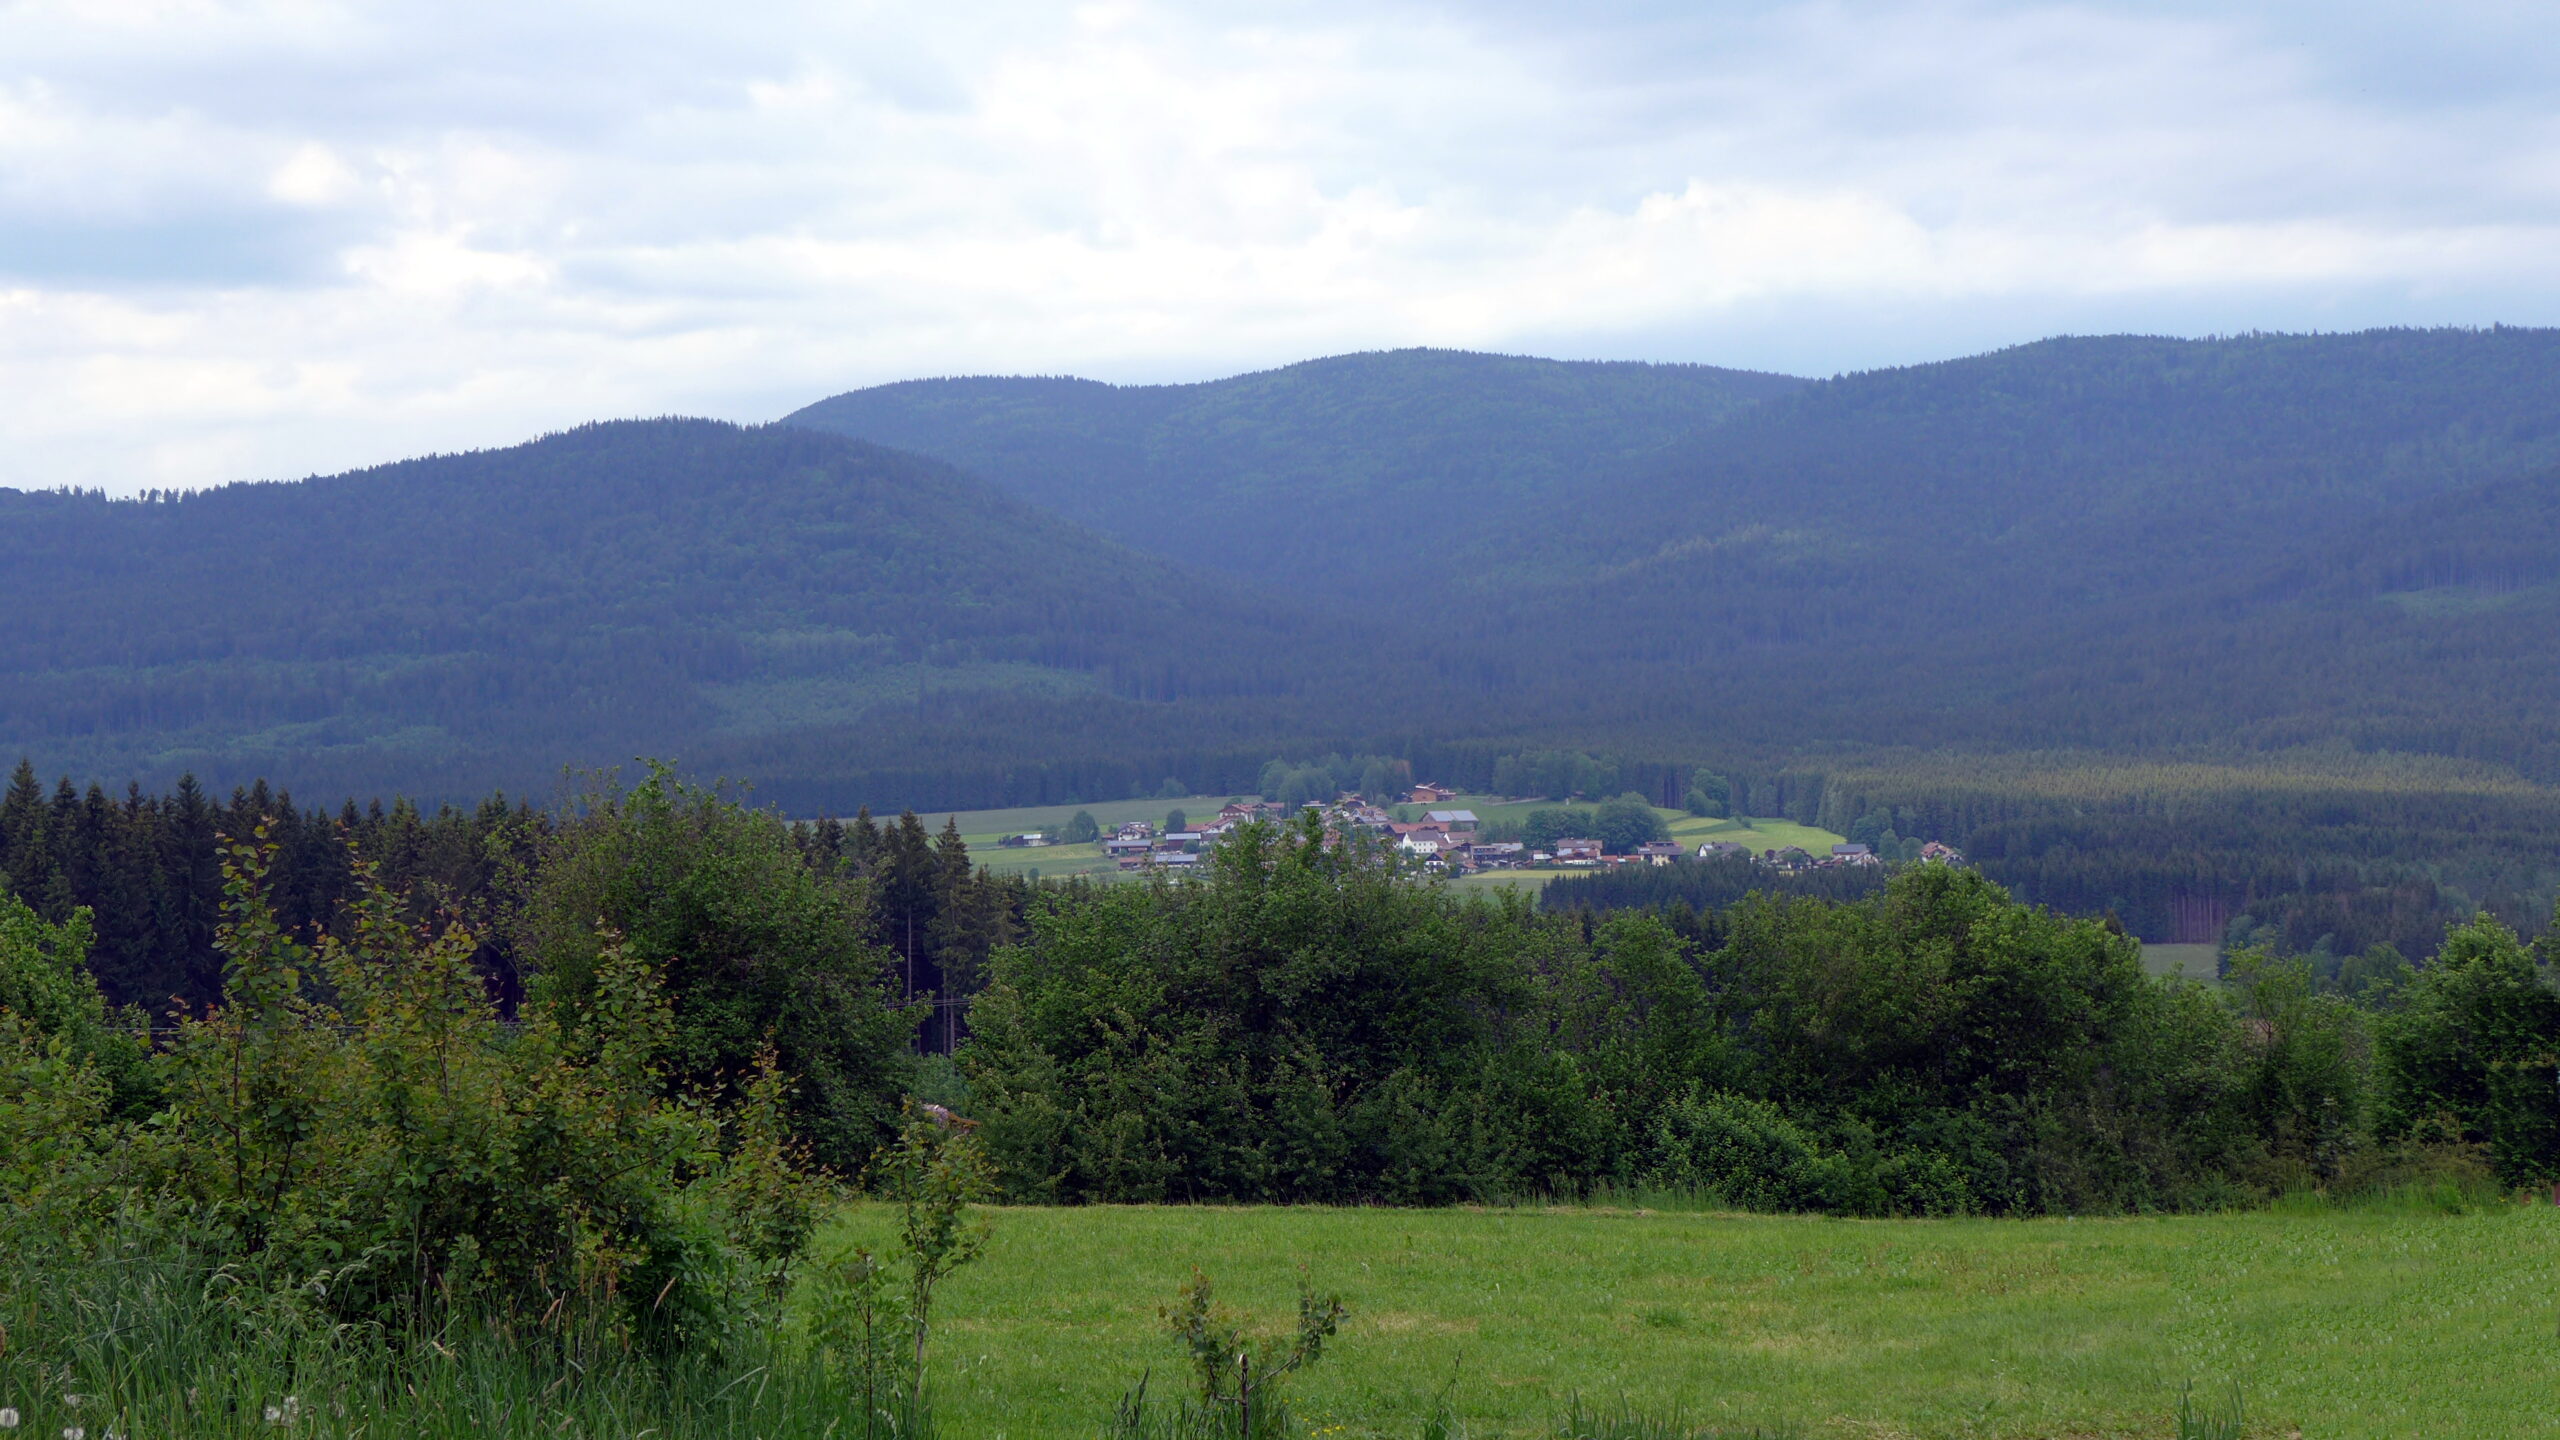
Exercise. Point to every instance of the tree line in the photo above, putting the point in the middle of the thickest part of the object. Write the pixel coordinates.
(1310, 1021)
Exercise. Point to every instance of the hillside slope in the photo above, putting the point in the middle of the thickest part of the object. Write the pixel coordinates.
(1310, 473)
(2122, 542)
(443, 624)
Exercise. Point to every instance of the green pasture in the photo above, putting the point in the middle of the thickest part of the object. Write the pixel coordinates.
(1760, 833)
(2195, 962)
(2336, 1324)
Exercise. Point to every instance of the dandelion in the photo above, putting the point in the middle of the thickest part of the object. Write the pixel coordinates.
(274, 1416)
(292, 1408)
(8, 1418)
(74, 1432)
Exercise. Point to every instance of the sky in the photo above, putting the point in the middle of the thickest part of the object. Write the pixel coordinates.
(262, 240)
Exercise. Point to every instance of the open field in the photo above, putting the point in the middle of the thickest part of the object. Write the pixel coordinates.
(1762, 833)
(983, 828)
(2337, 1325)
(2196, 962)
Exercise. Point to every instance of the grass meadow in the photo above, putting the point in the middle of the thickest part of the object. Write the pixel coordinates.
(2336, 1323)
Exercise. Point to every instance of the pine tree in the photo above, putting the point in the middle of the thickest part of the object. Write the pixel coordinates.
(903, 890)
(862, 843)
(22, 829)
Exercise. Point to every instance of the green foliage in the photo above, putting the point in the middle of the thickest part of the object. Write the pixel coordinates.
(858, 1327)
(1305, 1024)
(1696, 891)
(2316, 853)
(2227, 1420)
(2473, 1055)
(1627, 822)
(1543, 828)
(1175, 820)
(2307, 1059)
(1239, 1377)
(869, 1330)
(46, 983)
(1081, 830)
(355, 1126)
(755, 945)
(1709, 794)
(1554, 774)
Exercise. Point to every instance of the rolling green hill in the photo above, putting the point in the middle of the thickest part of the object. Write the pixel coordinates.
(674, 587)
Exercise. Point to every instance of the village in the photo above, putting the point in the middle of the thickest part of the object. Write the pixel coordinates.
(1443, 841)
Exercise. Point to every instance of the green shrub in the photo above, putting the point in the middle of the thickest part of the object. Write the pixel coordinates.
(752, 946)
(1239, 1375)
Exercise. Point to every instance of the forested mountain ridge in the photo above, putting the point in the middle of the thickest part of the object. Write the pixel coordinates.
(2121, 542)
(2113, 544)
(1305, 472)
(672, 586)
(2137, 459)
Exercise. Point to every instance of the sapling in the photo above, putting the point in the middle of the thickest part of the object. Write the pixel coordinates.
(1241, 1373)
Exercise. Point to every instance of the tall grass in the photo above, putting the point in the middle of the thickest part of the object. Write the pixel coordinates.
(145, 1343)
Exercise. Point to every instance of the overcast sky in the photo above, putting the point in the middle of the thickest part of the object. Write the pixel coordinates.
(259, 240)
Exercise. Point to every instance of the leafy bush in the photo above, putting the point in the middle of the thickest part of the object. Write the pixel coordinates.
(1239, 1376)
(1709, 794)
(404, 1158)
(1627, 822)
(2470, 1056)
(753, 947)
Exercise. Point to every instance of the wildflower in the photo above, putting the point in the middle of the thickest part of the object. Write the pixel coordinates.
(274, 1416)
(292, 1408)
(74, 1432)
(8, 1418)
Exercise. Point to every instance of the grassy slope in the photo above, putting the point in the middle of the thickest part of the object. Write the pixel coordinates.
(2345, 1325)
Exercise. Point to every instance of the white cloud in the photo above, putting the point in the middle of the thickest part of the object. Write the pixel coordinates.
(271, 238)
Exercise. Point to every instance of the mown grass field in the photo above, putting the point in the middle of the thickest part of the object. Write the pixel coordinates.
(2338, 1324)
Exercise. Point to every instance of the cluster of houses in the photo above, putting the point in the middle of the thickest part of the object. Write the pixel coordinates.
(1795, 858)
(1445, 840)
